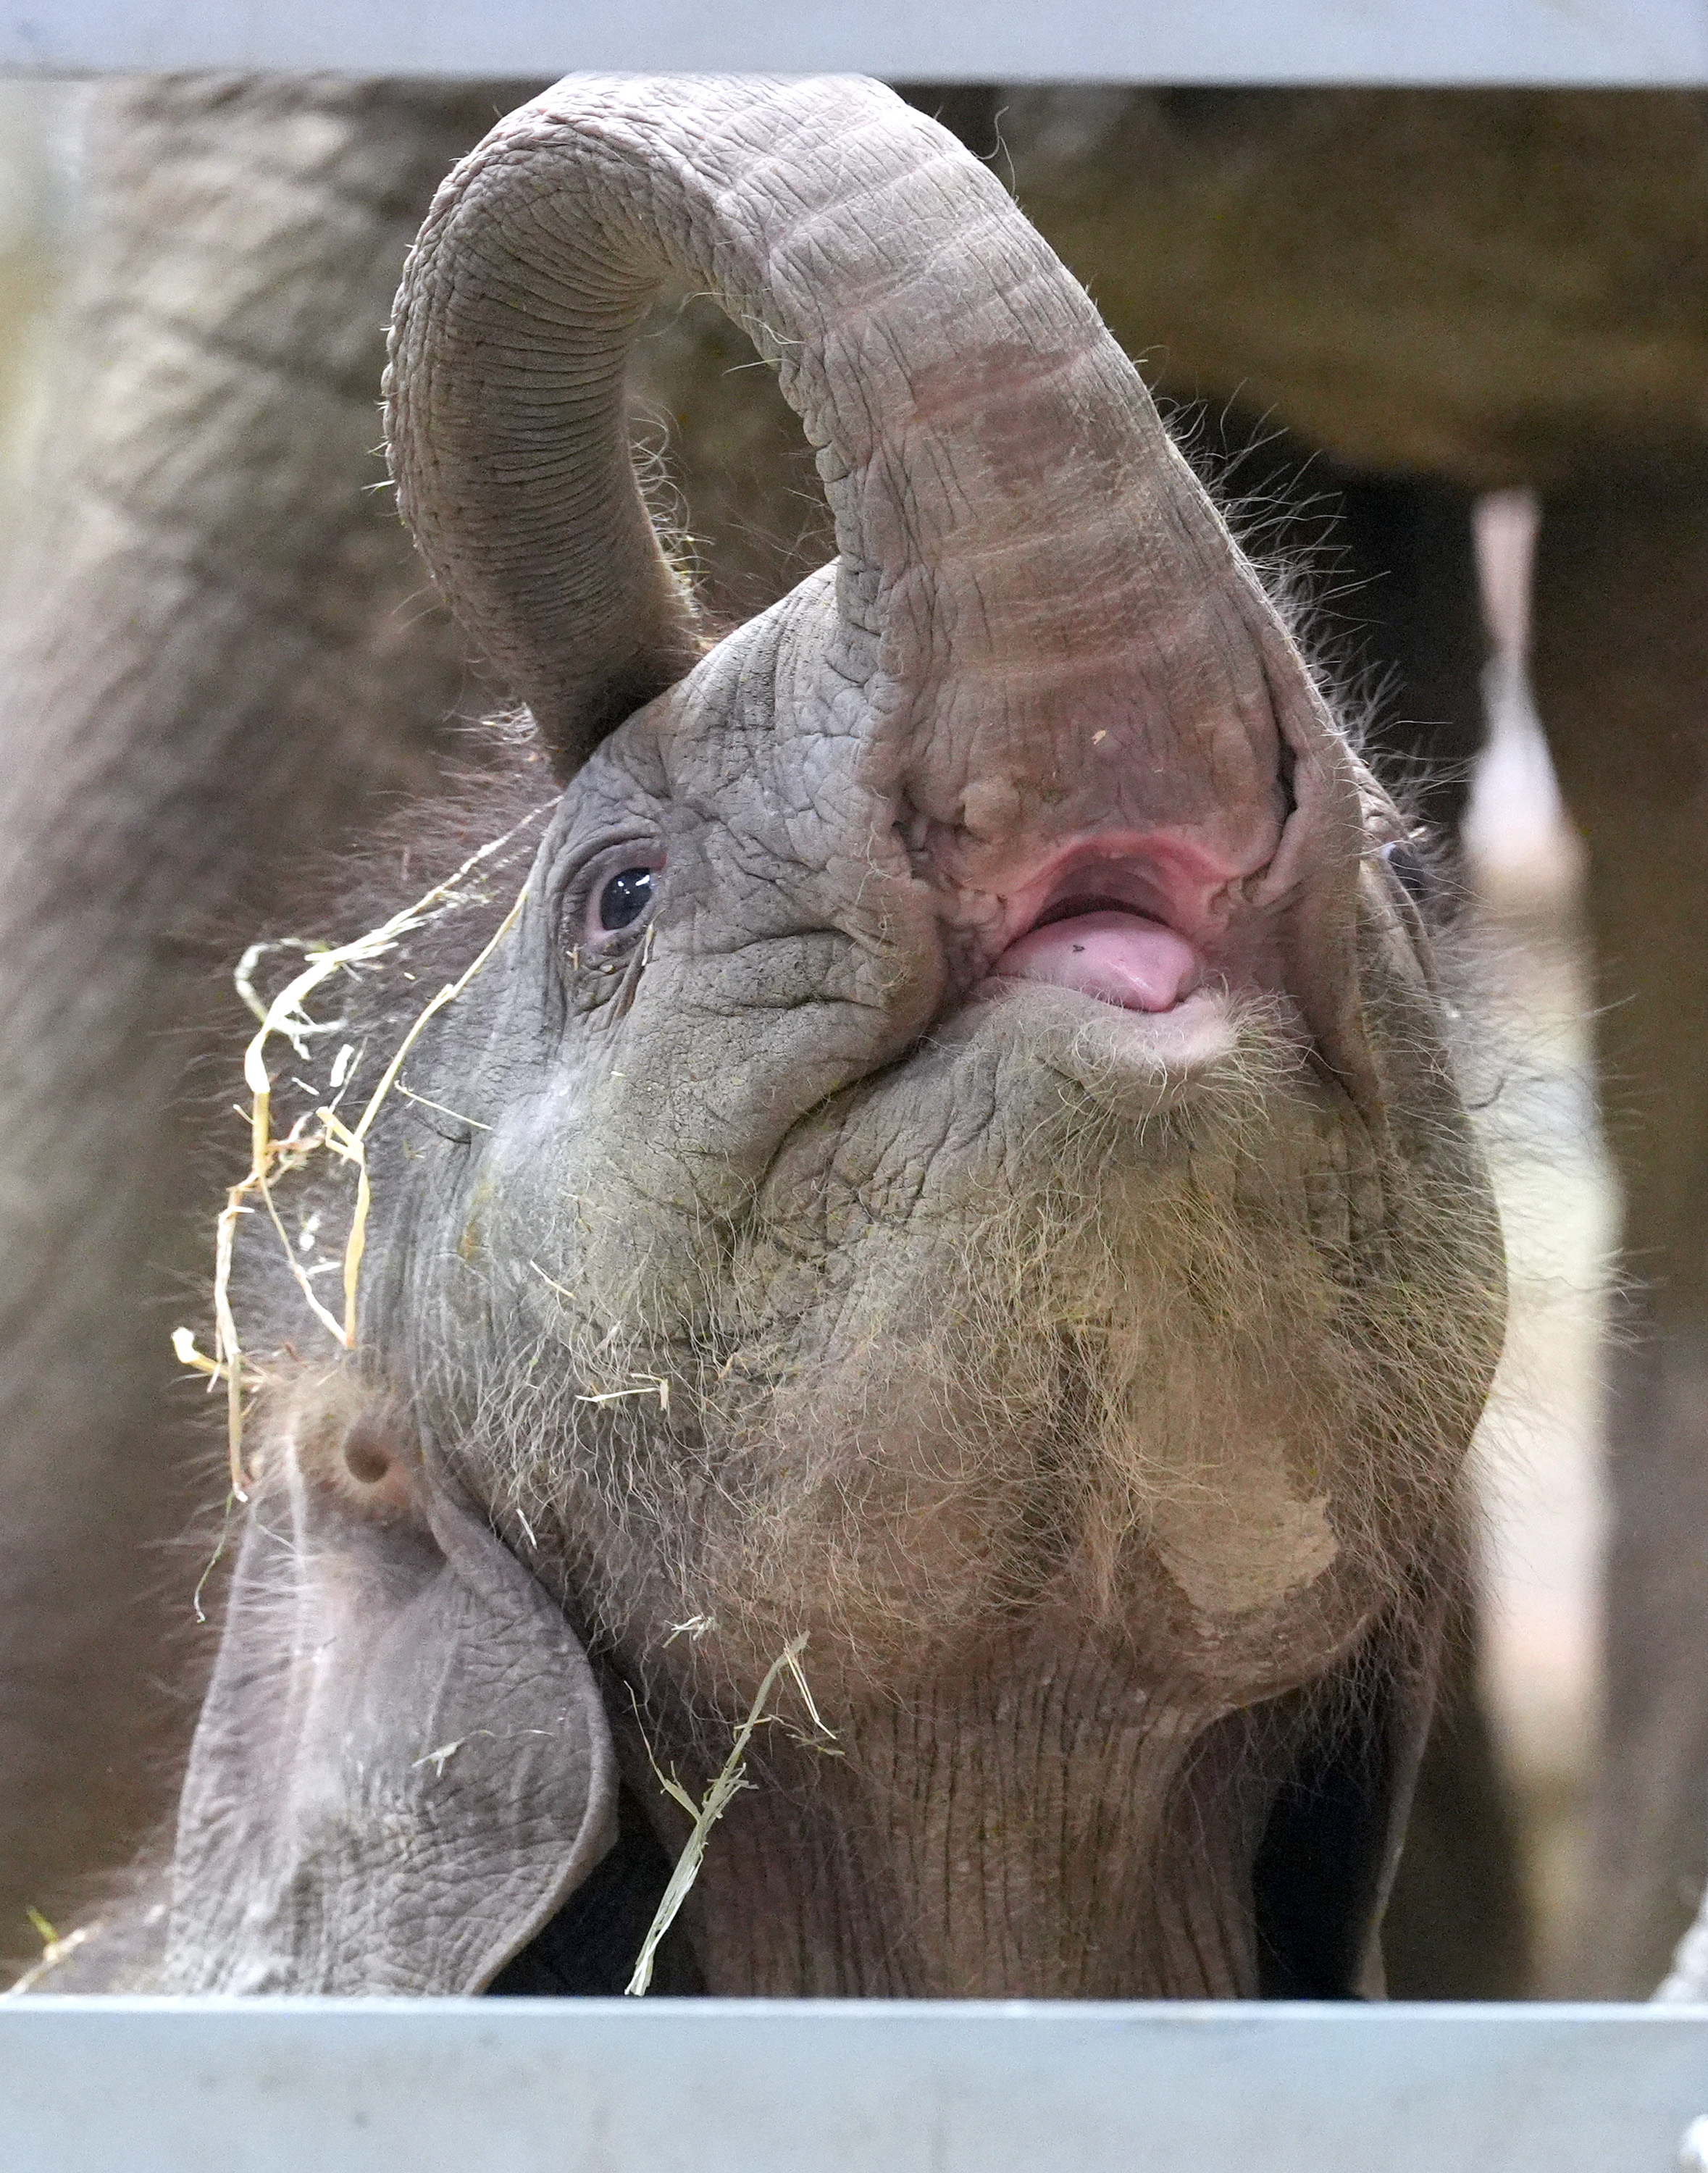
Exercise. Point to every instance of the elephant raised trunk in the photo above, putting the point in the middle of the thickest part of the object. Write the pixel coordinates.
(1043, 630)
(979, 432)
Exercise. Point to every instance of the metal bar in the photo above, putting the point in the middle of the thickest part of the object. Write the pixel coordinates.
(720, 2086)
(1446, 41)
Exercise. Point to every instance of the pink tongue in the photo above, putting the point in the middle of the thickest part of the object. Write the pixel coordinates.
(1121, 957)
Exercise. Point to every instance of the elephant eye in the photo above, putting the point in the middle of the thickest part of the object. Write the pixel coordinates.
(1411, 870)
(624, 898)
(616, 898)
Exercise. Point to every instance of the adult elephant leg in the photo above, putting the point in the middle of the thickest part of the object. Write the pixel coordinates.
(1458, 1922)
(218, 659)
(1621, 671)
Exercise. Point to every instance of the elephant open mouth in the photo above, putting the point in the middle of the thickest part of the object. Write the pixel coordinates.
(1138, 926)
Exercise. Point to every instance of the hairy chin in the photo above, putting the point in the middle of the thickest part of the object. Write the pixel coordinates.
(1146, 1383)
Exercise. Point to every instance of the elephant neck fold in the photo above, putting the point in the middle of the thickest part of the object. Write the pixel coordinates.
(1042, 1829)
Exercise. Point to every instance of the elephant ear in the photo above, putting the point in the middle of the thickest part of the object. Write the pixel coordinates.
(1331, 1850)
(403, 1769)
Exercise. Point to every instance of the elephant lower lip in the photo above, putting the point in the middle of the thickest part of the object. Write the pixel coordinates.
(1122, 959)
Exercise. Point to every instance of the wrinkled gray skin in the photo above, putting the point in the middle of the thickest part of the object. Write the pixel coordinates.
(220, 655)
(1087, 1386)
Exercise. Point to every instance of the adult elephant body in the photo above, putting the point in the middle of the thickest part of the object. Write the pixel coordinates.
(218, 660)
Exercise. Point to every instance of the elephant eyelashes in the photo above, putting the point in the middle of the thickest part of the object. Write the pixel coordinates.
(624, 898)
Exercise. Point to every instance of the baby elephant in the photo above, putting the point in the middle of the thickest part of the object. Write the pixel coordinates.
(914, 1303)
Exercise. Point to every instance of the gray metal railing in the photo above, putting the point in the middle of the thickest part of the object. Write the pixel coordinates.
(714, 2086)
(1540, 41)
